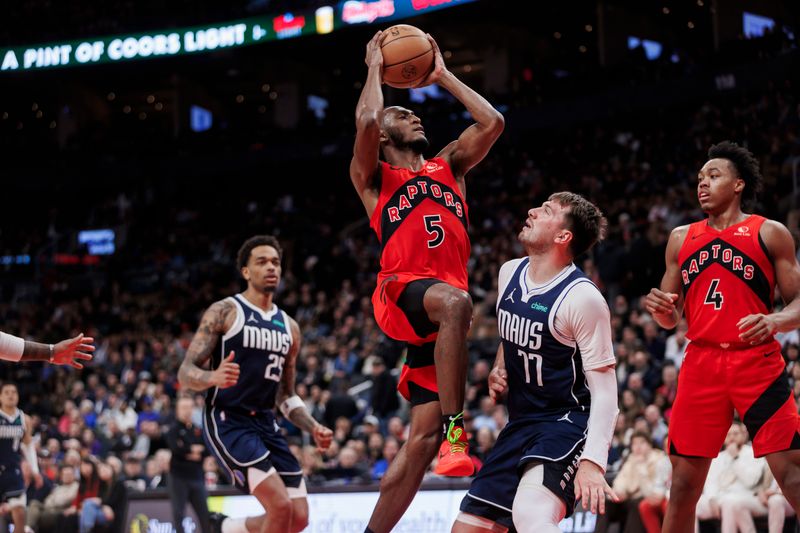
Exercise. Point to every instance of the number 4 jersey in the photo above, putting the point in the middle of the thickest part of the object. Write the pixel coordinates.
(260, 340)
(726, 276)
(551, 335)
(421, 222)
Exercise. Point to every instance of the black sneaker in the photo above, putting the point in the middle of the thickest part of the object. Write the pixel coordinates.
(216, 519)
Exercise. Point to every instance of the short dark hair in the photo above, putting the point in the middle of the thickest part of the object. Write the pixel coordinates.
(5, 384)
(253, 242)
(584, 220)
(642, 435)
(744, 163)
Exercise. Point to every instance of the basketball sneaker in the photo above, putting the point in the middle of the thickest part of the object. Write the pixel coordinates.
(454, 460)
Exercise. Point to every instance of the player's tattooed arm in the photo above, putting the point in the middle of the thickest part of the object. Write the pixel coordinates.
(299, 415)
(215, 322)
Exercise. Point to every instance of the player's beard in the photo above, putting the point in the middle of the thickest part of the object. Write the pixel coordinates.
(417, 146)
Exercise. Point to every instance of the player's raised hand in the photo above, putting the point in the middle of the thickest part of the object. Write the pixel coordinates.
(439, 67)
(70, 351)
(658, 302)
(322, 437)
(757, 328)
(498, 382)
(374, 56)
(227, 373)
(591, 487)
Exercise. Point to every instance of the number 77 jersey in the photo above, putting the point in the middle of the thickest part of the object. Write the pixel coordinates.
(726, 275)
(551, 335)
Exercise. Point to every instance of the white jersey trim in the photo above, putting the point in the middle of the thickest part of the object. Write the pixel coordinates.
(266, 315)
(225, 450)
(541, 289)
(490, 503)
(12, 418)
(581, 318)
(238, 324)
(556, 459)
(288, 325)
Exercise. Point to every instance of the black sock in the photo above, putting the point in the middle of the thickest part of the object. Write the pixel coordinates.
(457, 420)
(368, 530)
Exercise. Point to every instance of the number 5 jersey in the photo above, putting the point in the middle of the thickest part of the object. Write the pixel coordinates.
(421, 222)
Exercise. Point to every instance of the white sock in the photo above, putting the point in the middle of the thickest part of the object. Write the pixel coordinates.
(234, 525)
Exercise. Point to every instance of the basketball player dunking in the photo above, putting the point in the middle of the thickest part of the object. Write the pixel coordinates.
(253, 347)
(723, 270)
(418, 209)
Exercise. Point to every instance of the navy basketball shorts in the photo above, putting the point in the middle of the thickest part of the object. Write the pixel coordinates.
(240, 441)
(555, 444)
(12, 484)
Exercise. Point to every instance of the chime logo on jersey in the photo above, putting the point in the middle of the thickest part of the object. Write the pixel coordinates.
(267, 339)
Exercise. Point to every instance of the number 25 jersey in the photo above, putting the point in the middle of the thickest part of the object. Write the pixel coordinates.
(726, 275)
(260, 340)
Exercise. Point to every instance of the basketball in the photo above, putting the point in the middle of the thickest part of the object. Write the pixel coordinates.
(407, 56)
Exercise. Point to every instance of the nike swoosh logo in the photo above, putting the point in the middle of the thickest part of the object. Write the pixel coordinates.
(770, 353)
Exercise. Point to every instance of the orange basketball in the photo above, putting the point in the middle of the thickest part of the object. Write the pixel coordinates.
(407, 56)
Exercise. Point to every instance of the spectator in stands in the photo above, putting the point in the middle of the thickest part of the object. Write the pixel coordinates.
(185, 480)
(384, 400)
(390, 448)
(43, 516)
(778, 507)
(657, 426)
(676, 344)
(106, 511)
(644, 477)
(730, 491)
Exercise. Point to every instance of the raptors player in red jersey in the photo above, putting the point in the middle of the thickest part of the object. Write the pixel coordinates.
(418, 210)
(723, 271)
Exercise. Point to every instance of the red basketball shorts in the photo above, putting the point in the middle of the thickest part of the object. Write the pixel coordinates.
(713, 382)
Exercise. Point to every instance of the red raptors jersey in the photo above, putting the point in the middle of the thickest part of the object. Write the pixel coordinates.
(421, 222)
(726, 276)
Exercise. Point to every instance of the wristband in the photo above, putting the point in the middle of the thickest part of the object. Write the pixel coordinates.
(290, 404)
(51, 353)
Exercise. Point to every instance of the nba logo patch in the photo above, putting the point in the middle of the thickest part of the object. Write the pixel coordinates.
(240, 479)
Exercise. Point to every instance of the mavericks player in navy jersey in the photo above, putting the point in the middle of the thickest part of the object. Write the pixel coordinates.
(253, 347)
(15, 443)
(556, 363)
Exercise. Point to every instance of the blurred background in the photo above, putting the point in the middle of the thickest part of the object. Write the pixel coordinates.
(143, 142)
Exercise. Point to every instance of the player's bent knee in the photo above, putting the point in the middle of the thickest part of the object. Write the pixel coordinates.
(458, 305)
(536, 509)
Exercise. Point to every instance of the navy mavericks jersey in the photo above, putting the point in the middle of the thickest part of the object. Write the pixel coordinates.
(260, 341)
(12, 429)
(545, 369)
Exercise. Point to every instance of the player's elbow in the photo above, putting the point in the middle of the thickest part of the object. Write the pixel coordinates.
(497, 123)
(367, 119)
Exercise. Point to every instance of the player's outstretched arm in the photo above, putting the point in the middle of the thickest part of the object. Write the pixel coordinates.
(758, 327)
(666, 303)
(364, 164)
(66, 352)
(215, 322)
(290, 404)
(476, 141)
